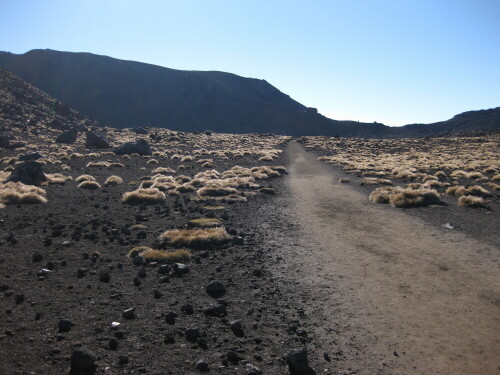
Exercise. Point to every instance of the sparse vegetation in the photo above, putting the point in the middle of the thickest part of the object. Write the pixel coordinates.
(195, 237)
(147, 196)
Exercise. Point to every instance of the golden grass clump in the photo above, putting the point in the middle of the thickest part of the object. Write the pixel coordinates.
(57, 178)
(216, 191)
(147, 196)
(471, 201)
(163, 170)
(89, 185)
(19, 193)
(414, 198)
(113, 180)
(204, 222)
(456, 191)
(478, 191)
(404, 198)
(85, 177)
(153, 255)
(195, 237)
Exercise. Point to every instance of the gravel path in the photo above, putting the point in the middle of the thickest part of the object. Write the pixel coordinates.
(386, 292)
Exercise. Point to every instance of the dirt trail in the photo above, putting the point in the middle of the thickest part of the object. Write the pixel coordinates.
(396, 295)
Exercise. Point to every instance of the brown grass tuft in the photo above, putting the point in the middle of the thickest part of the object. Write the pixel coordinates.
(148, 196)
(471, 201)
(195, 237)
(113, 180)
(204, 222)
(19, 193)
(89, 185)
(153, 255)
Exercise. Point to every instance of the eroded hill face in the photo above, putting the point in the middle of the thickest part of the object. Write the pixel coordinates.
(25, 108)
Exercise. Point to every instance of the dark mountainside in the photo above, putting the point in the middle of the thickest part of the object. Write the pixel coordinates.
(24, 107)
(129, 94)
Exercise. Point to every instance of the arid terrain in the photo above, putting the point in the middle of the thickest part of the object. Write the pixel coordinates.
(151, 251)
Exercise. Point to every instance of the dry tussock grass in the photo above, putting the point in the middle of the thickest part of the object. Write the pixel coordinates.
(89, 185)
(153, 255)
(19, 193)
(405, 198)
(471, 201)
(204, 222)
(195, 237)
(113, 180)
(147, 196)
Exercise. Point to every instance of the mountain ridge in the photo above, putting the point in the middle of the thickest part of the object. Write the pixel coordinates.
(125, 93)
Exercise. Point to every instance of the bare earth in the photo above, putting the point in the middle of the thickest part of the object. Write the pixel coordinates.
(387, 292)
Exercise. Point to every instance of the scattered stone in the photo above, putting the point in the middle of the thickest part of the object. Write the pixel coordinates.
(298, 363)
(123, 359)
(83, 360)
(157, 294)
(105, 277)
(202, 366)
(129, 313)
(179, 269)
(252, 370)
(68, 137)
(187, 309)
(140, 147)
(170, 317)
(237, 240)
(326, 357)
(65, 325)
(37, 257)
(237, 328)
(192, 334)
(138, 260)
(215, 289)
(113, 343)
(169, 338)
(96, 140)
(31, 156)
(19, 298)
(29, 173)
(215, 311)
(81, 272)
(233, 357)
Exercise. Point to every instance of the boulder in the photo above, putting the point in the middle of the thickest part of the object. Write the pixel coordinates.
(29, 173)
(297, 362)
(31, 156)
(69, 137)
(83, 360)
(140, 147)
(96, 140)
(4, 141)
(215, 289)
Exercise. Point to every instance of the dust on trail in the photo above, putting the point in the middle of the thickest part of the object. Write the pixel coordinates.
(412, 298)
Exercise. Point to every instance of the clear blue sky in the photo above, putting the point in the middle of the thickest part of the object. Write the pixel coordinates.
(391, 61)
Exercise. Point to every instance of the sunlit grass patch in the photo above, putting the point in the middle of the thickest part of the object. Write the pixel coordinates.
(113, 180)
(19, 193)
(195, 237)
(204, 222)
(89, 185)
(85, 177)
(57, 178)
(404, 198)
(414, 198)
(471, 201)
(147, 196)
(153, 255)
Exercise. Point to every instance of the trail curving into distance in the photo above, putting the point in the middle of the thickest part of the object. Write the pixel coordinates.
(391, 294)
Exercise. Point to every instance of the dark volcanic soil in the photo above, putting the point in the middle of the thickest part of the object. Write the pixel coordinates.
(32, 306)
